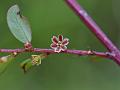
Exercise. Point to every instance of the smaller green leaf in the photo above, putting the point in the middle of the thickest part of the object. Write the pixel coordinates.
(26, 65)
(18, 25)
(4, 62)
(35, 60)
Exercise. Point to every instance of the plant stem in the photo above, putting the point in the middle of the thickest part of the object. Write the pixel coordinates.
(95, 29)
(50, 51)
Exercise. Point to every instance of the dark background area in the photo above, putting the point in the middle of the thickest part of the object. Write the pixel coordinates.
(63, 71)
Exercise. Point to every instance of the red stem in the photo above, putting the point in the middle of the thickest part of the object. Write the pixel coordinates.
(88, 21)
(50, 51)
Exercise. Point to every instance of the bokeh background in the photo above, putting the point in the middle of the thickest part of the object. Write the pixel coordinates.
(63, 72)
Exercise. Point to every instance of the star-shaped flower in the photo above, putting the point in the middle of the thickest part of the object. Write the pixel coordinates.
(59, 44)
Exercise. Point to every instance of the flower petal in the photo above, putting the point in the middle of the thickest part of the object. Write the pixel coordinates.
(58, 49)
(55, 39)
(53, 45)
(63, 48)
(65, 41)
(60, 37)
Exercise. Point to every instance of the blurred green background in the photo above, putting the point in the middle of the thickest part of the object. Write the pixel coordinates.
(63, 72)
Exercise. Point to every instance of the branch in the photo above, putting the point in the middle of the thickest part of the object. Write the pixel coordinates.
(95, 29)
(51, 51)
(113, 52)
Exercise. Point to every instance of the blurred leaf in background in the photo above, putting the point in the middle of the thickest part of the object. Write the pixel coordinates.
(4, 63)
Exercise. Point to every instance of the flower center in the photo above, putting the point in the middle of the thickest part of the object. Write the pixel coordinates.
(59, 43)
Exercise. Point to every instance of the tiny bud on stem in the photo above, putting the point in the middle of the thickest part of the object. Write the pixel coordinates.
(28, 46)
(3, 59)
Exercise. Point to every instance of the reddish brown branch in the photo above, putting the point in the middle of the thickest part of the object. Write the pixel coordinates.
(50, 51)
(88, 21)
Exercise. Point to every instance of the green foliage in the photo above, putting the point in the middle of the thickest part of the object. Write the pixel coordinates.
(18, 24)
(35, 60)
(26, 65)
(5, 61)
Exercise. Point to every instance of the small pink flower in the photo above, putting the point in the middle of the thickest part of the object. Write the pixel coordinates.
(59, 44)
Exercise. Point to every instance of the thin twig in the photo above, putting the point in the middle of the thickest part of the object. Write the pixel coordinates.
(51, 51)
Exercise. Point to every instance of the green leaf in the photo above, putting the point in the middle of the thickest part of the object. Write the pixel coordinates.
(35, 60)
(26, 65)
(18, 25)
(4, 62)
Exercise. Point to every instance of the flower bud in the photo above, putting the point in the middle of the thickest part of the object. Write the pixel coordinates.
(4, 59)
